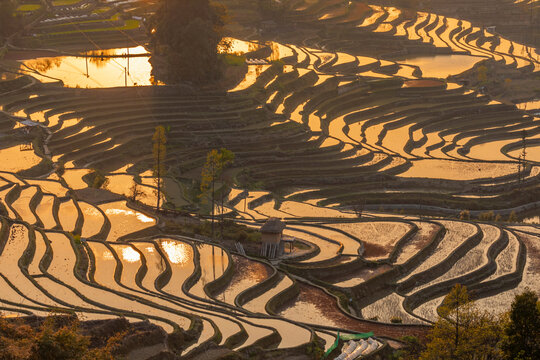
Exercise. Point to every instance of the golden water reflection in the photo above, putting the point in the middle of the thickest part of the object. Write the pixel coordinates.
(141, 217)
(94, 72)
(442, 66)
(177, 252)
(18, 158)
(130, 255)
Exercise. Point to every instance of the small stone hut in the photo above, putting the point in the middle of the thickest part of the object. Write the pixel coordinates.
(272, 232)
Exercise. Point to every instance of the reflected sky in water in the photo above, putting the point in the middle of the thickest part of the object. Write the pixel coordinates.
(177, 252)
(102, 71)
(130, 255)
(442, 66)
(107, 68)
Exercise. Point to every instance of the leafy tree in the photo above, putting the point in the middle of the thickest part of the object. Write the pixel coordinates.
(216, 162)
(184, 38)
(15, 340)
(9, 21)
(159, 151)
(522, 332)
(59, 344)
(55, 339)
(462, 332)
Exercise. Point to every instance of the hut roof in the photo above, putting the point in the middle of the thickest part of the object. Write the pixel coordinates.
(273, 226)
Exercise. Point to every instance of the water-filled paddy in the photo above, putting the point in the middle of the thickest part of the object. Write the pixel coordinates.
(102, 72)
(316, 102)
(213, 262)
(124, 220)
(258, 304)
(457, 170)
(442, 66)
(529, 105)
(17, 158)
(249, 274)
(106, 68)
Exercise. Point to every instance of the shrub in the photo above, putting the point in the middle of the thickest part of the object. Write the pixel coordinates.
(396, 320)
(77, 238)
(465, 215)
(486, 216)
(96, 179)
(60, 168)
(512, 217)
(234, 60)
(57, 338)
(315, 349)
(242, 236)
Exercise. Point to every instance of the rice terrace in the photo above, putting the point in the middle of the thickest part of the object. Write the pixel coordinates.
(311, 186)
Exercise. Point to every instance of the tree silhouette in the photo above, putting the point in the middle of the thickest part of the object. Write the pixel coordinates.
(462, 332)
(184, 38)
(216, 162)
(522, 333)
(159, 151)
(10, 22)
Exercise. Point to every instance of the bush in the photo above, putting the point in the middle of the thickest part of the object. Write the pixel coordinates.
(465, 215)
(396, 320)
(254, 237)
(77, 238)
(60, 168)
(412, 349)
(96, 179)
(315, 349)
(512, 217)
(234, 60)
(487, 216)
(242, 236)
(57, 338)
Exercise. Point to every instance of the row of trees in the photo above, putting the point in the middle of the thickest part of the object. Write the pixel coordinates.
(489, 216)
(463, 332)
(55, 339)
(213, 171)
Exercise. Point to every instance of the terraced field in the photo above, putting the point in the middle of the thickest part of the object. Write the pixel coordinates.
(350, 125)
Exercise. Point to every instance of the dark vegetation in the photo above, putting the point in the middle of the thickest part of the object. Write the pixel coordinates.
(184, 38)
(64, 337)
(9, 21)
(280, 158)
(465, 332)
(53, 338)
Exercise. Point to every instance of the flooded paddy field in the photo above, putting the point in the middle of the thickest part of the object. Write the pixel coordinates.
(394, 180)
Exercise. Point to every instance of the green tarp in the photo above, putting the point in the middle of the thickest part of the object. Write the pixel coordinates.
(346, 337)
